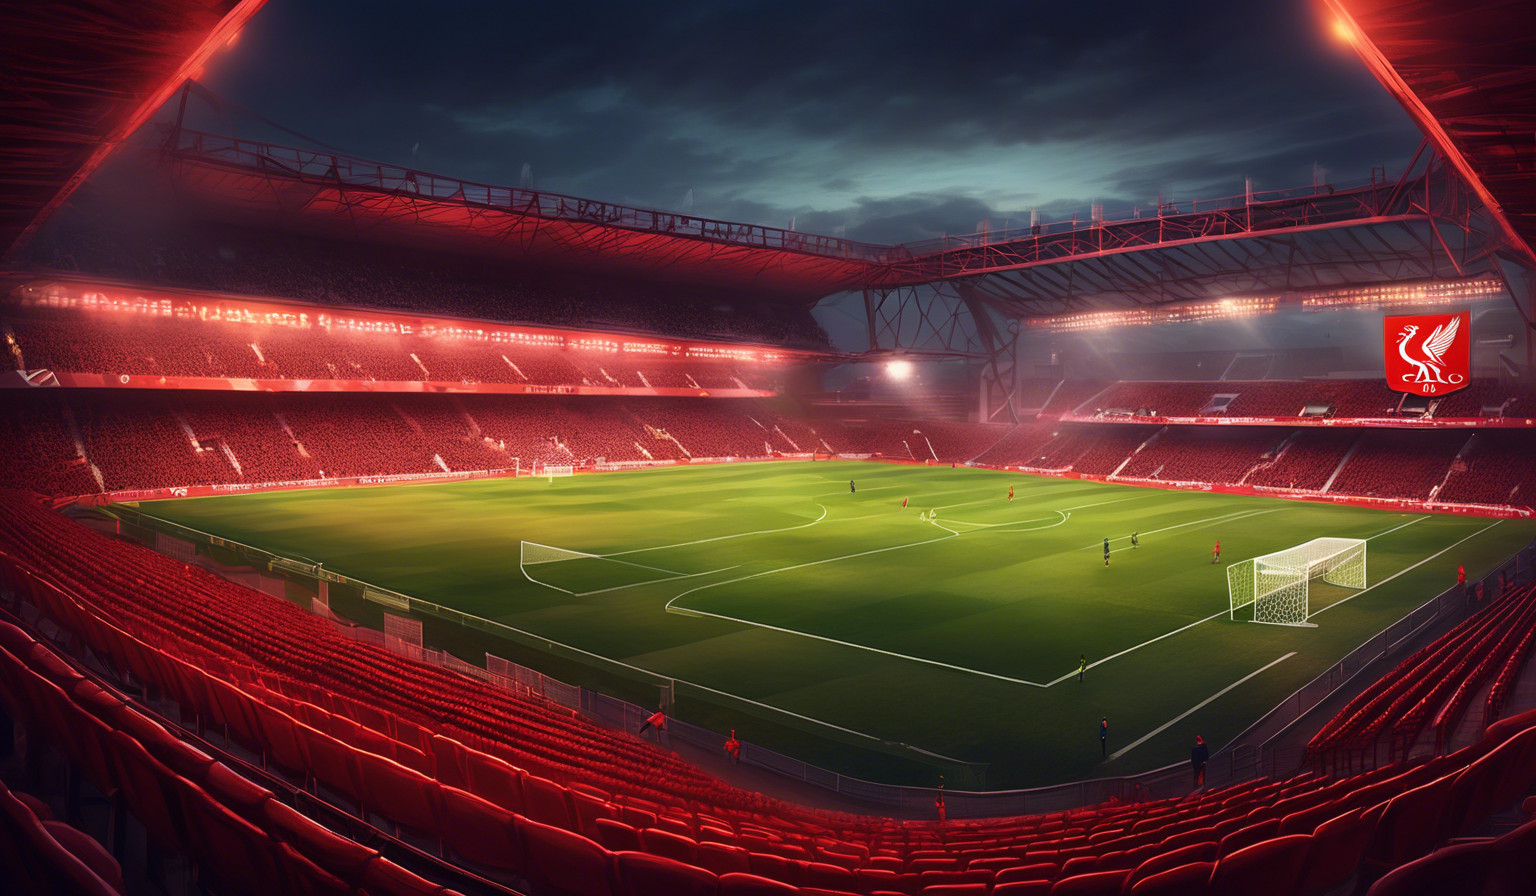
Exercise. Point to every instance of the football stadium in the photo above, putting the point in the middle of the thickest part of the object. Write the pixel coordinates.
(379, 521)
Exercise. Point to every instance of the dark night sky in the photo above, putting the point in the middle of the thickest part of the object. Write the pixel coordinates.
(889, 122)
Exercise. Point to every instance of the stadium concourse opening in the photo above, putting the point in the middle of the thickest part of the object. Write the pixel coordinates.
(366, 529)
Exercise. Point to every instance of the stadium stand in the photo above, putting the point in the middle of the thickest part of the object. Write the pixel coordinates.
(1305, 460)
(1194, 455)
(47, 856)
(1288, 398)
(125, 342)
(234, 259)
(1496, 469)
(84, 441)
(1072, 394)
(1387, 465)
(508, 783)
(1434, 687)
(1021, 445)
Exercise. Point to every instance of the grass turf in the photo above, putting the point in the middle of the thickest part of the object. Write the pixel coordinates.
(959, 638)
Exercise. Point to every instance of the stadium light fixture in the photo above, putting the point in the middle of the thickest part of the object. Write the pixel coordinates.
(899, 370)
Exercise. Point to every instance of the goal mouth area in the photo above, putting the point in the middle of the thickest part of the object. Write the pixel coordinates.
(1278, 585)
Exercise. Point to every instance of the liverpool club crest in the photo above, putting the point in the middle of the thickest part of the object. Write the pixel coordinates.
(1428, 354)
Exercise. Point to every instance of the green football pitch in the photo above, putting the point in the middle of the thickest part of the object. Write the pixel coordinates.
(846, 630)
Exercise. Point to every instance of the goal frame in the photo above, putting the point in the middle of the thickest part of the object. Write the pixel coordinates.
(1278, 585)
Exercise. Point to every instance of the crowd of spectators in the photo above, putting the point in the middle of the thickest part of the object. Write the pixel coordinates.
(122, 342)
(228, 258)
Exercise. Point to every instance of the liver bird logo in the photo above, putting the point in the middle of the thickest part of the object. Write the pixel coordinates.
(1428, 365)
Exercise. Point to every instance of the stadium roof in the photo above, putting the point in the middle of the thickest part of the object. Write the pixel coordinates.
(1417, 227)
(1458, 76)
(1466, 73)
(1413, 228)
(80, 76)
(335, 194)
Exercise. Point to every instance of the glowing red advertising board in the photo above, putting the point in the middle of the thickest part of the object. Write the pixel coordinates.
(1428, 354)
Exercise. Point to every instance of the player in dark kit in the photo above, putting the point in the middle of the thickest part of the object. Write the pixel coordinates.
(1106, 552)
(1134, 542)
(851, 489)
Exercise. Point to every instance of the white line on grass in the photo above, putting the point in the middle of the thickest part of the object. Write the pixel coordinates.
(1228, 517)
(683, 544)
(1407, 570)
(1061, 517)
(1228, 611)
(1193, 709)
(820, 722)
(1078, 507)
(789, 631)
(671, 607)
(1114, 656)
(1395, 528)
(691, 575)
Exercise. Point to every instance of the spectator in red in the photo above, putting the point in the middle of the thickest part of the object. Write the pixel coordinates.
(1198, 757)
(733, 748)
(1461, 574)
(658, 720)
(938, 801)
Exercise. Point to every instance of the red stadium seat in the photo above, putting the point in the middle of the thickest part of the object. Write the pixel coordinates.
(641, 874)
(566, 861)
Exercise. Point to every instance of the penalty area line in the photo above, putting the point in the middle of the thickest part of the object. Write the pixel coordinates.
(693, 575)
(671, 607)
(1193, 709)
(1226, 517)
(684, 544)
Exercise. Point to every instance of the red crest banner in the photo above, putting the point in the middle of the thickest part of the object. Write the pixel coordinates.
(1428, 354)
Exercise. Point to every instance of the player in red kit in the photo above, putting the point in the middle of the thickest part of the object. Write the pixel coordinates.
(1216, 553)
(1010, 493)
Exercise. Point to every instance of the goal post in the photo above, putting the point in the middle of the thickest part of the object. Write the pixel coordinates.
(552, 471)
(1278, 586)
(531, 554)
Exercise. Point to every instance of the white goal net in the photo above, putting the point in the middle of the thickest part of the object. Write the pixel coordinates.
(533, 557)
(1277, 585)
(534, 553)
(551, 471)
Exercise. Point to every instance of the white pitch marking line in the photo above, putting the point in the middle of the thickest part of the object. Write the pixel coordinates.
(1141, 645)
(1039, 519)
(789, 631)
(1395, 528)
(683, 544)
(672, 572)
(1228, 517)
(1193, 709)
(1407, 570)
(668, 607)
(1227, 612)
(825, 724)
(691, 575)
